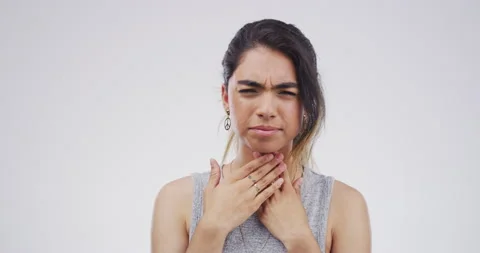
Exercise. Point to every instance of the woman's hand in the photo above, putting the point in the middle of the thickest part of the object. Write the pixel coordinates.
(230, 203)
(284, 216)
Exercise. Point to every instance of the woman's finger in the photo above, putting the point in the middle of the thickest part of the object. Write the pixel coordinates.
(250, 167)
(268, 192)
(268, 179)
(263, 175)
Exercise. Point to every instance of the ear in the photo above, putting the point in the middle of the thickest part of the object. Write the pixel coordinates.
(225, 97)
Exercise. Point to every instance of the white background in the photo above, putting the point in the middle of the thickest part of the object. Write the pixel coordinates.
(103, 102)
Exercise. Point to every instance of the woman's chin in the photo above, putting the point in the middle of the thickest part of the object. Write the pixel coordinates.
(265, 148)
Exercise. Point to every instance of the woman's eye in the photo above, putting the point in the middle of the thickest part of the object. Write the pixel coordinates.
(247, 91)
(252, 91)
(289, 93)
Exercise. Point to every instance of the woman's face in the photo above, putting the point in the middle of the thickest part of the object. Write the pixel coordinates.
(263, 101)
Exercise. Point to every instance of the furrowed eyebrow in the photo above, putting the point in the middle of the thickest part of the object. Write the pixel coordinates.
(250, 83)
(254, 84)
(286, 85)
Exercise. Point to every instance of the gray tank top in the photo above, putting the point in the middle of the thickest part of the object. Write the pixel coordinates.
(316, 191)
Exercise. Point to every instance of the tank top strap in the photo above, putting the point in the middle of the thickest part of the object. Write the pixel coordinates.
(199, 183)
(316, 193)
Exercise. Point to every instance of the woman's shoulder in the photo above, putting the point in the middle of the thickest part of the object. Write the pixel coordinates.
(170, 213)
(348, 211)
(347, 203)
(346, 193)
(340, 191)
(176, 195)
(179, 187)
(179, 193)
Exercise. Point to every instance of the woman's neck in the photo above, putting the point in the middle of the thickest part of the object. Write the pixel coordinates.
(245, 155)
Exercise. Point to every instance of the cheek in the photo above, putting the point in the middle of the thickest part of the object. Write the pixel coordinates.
(241, 111)
(292, 111)
(292, 117)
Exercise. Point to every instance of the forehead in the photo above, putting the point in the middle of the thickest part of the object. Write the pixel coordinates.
(265, 66)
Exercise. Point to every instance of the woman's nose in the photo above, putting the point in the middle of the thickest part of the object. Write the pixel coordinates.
(266, 107)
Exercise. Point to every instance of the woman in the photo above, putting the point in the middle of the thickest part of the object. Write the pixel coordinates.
(267, 199)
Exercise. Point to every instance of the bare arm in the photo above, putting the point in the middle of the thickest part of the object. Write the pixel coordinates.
(351, 228)
(169, 228)
(169, 234)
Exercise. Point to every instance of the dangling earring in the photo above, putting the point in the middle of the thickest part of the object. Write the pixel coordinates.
(227, 122)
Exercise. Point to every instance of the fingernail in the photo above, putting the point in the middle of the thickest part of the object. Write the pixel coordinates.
(280, 181)
(279, 156)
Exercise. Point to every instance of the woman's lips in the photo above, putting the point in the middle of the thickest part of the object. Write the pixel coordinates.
(264, 130)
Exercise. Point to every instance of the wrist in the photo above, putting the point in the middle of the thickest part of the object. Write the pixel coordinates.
(208, 237)
(212, 229)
